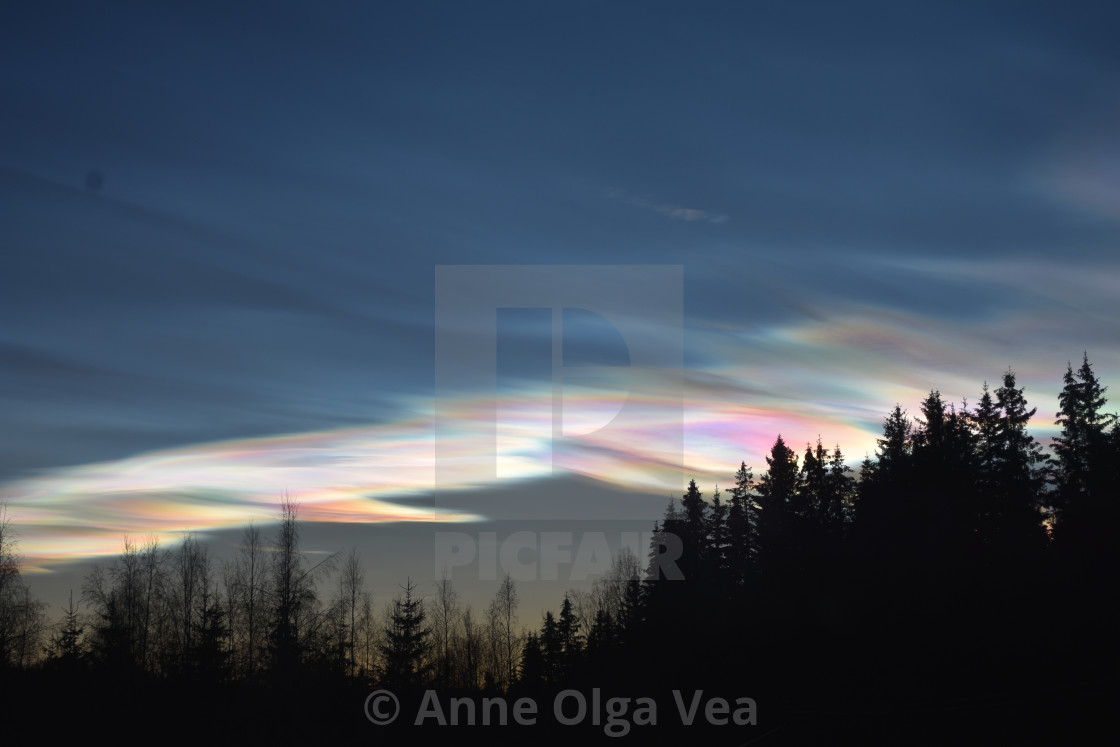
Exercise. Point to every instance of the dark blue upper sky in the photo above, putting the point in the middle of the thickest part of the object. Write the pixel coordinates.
(222, 221)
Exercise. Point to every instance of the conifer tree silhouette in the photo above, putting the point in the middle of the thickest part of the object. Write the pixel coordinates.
(407, 644)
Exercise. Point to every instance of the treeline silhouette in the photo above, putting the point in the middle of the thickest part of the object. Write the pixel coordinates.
(961, 586)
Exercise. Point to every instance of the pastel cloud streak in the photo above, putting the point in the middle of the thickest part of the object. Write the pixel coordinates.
(835, 376)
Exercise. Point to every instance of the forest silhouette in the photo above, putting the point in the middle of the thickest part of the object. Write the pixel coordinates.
(960, 586)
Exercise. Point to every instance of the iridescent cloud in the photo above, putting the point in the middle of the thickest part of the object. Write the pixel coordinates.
(832, 376)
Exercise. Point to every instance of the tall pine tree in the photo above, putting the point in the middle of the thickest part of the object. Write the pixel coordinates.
(741, 524)
(406, 643)
(777, 490)
(1085, 503)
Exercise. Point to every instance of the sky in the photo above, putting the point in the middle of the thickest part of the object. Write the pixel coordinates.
(222, 230)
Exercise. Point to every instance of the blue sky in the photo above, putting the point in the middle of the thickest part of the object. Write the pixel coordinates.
(221, 225)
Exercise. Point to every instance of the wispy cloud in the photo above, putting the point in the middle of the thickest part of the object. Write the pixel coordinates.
(676, 212)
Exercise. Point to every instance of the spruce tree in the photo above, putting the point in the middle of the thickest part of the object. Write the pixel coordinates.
(552, 650)
(567, 630)
(694, 531)
(67, 650)
(602, 635)
(776, 491)
(406, 641)
(985, 421)
(532, 660)
(718, 539)
(885, 494)
(741, 524)
(813, 490)
(841, 492)
(1083, 496)
(1083, 430)
(896, 445)
(1018, 468)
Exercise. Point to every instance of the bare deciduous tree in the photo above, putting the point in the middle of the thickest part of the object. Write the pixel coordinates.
(252, 579)
(505, 639)
(471, 651)
(350, 588)
(445, 625)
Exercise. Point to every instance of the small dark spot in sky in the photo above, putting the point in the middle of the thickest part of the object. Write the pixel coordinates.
(94, 180)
